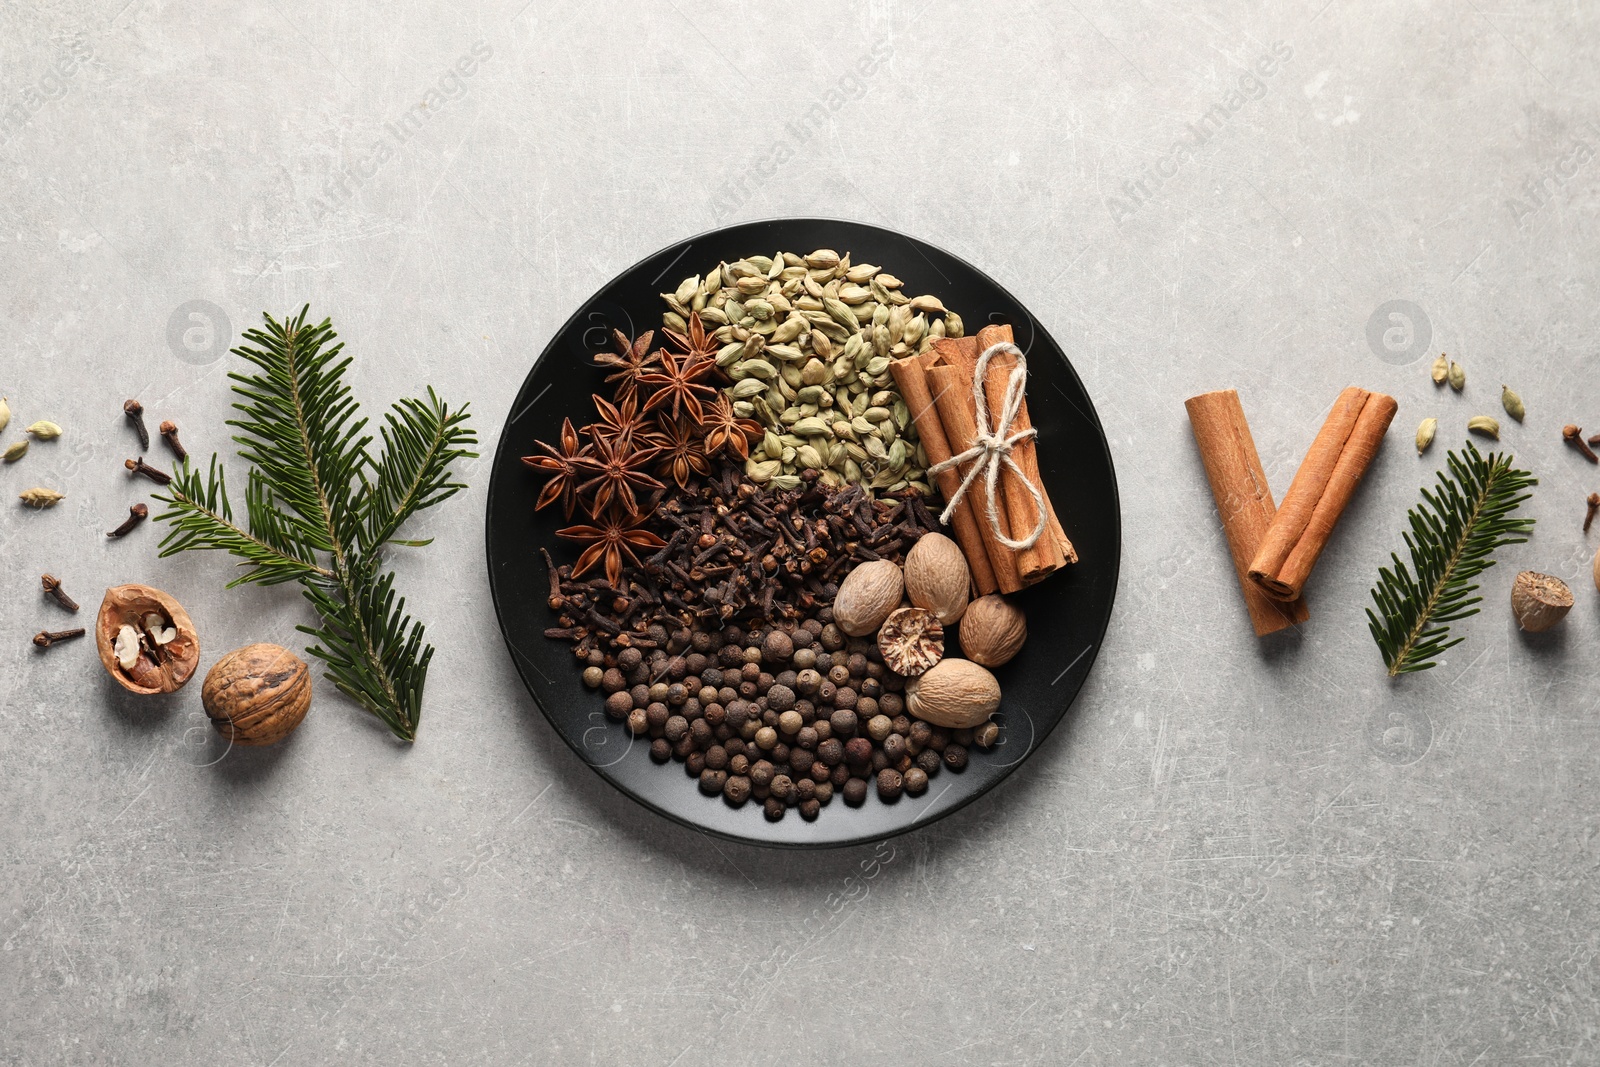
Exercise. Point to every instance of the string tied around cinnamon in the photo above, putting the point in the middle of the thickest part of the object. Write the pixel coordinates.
(991, 449)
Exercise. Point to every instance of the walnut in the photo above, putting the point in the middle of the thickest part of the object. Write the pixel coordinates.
(866, 596)
(937, 577)
(1539, 601)
(147, 641)
(911, 640)
(954, 693)
(993, 630)
(257, 695)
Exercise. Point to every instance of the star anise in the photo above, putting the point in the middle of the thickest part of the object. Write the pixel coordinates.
(621, 422)
(697, 344)
(613, 536)
(727, 432)
(619, 471)
(678, 383)
(565, 465)
(631, 360)
(682, 451)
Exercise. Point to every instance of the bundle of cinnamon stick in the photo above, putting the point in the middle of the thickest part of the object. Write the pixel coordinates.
(937, 386)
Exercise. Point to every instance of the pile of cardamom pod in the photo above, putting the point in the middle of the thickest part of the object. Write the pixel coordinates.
(807, 341)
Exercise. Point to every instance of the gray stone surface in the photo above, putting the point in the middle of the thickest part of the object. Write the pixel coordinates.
(1237, 851)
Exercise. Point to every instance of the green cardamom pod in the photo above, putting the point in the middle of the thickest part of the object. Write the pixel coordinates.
(1426, 433)
(44, 430)
(5, 413)
(1458, 377)
(1485, 426)
(39, 498)
(1512, 403)
(15, 451)
(1441, 369)
(953, 326)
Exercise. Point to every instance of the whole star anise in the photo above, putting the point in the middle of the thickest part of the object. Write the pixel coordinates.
(697, 344)
(678, 384)
(621, 422)
(618, 470)
(726, 432)
(682, 451)
(613, 537)
(565, 465)
(631, 360)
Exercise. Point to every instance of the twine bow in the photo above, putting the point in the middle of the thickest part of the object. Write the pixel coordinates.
(991, 450)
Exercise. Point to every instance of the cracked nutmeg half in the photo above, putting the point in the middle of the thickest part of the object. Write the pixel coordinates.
(911, 640)
(147, 641)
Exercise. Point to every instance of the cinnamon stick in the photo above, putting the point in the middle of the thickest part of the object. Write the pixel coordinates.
(912, 380)
(1244, 501)
(1053, 549)
(952, 395)
(1323, 485)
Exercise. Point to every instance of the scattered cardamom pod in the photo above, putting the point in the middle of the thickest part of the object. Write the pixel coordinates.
(1441, 369)
(15, 451)
(44, 430)
(1485, 426)
(1458, 377)
(39, 498)
(5, 413)
(1512, 403)
(1426, 433)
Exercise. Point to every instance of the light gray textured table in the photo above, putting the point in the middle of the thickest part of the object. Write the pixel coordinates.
(1236, 852)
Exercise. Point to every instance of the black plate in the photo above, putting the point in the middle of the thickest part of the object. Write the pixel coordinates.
(1067, 613)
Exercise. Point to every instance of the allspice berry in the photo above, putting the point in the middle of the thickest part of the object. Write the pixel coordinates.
(257, 695)
(1539, 601)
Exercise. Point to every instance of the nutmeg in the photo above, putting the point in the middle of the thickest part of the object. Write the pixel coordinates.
(147, 641)
(866, 597)
(911, 641)
(1539, 601)
(954, 693)
(257, 695)
(937, 577)
(993, 630)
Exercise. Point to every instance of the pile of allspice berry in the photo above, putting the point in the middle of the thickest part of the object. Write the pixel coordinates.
(780, 631)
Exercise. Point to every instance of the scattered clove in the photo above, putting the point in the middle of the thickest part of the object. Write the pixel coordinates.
(139, 466)
(169, 430)
(1594, 506)
(135, 412)
(52, 586)
(1574, 437)
(136, 515)
(46, 638)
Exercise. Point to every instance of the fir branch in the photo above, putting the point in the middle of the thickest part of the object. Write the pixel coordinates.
(1454, 534)
(320, 507)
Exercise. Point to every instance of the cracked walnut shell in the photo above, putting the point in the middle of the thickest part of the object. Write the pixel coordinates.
(911, 641)
(147, 642)
(257, 695)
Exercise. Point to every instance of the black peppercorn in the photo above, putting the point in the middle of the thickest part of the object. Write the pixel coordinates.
(660, 750)
(955, 757)
(889, 785)
(855, 792)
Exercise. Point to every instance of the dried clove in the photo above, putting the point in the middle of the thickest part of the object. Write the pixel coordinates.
(52, 586)
(135, 412)
(136, 515)
(139, 466)
(169, 430)
(1594, 506)
(46, 638)
(1574, 437)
